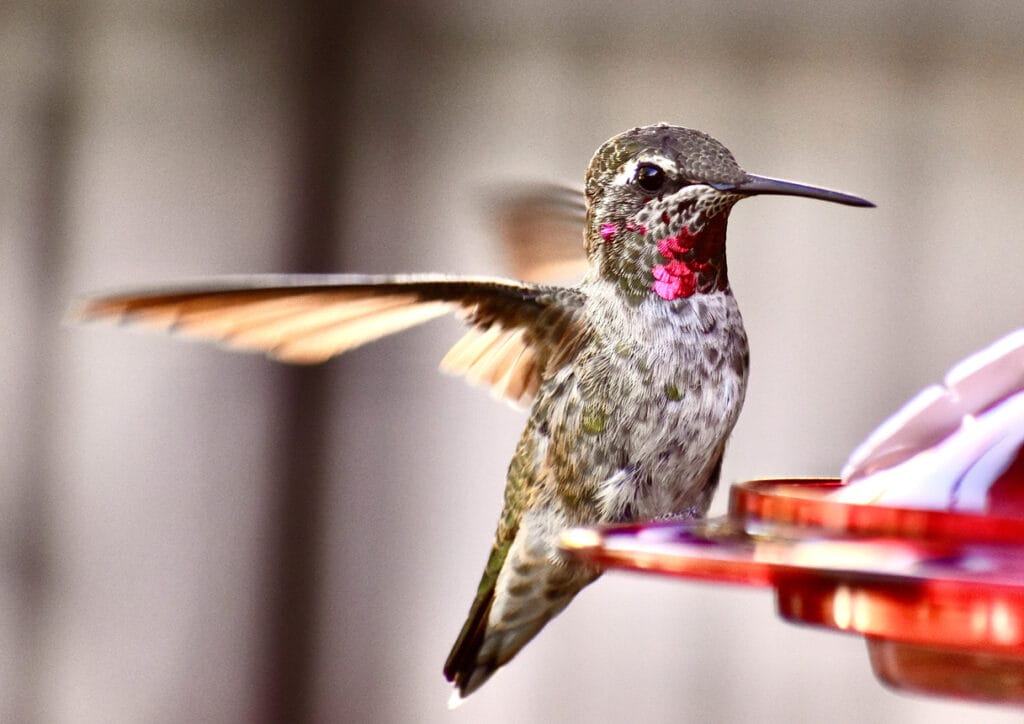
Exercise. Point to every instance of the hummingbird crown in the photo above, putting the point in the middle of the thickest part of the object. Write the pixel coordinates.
(656, 218)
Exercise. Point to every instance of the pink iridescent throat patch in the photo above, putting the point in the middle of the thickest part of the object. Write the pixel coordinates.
(674, 279)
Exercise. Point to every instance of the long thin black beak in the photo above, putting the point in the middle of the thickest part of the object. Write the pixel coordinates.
(753, 185)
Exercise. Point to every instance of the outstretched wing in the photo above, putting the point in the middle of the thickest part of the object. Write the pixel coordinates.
(518, 329)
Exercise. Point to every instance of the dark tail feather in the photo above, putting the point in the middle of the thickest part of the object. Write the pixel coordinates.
(462, 667)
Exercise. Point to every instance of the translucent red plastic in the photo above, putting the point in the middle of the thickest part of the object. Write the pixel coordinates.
(939, 596)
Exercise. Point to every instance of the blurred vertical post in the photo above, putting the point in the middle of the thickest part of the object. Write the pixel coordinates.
(55, 113)
(319, 68)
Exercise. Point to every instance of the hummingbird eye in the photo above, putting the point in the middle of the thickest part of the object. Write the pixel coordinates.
(650, 178)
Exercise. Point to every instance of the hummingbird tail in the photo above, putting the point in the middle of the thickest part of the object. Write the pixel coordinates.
(484, 647)
(462, 668)
(510, 609)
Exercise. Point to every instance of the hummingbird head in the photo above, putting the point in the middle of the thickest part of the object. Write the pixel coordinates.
(658, 199)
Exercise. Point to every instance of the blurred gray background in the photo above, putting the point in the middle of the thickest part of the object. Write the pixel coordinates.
(192, 535)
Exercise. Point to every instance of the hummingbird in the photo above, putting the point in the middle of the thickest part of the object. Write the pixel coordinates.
(634, 377)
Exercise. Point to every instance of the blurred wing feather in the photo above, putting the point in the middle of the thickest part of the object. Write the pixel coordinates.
(516, 328)
(541, 227)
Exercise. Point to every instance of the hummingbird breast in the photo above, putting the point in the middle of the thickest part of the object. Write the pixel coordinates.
(646, 407)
